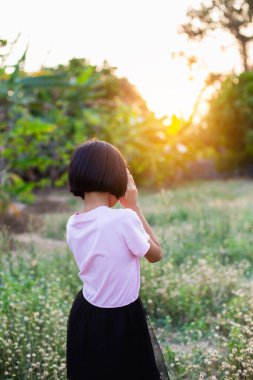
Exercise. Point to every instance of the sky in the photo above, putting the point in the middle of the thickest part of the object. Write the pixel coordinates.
(136, 36)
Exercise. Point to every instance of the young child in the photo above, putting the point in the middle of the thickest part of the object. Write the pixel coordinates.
(108, 336)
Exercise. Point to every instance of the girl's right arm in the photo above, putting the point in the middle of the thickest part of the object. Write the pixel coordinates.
(154, 253)
(130, 200)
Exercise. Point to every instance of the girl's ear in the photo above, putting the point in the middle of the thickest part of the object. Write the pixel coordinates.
(112, 200)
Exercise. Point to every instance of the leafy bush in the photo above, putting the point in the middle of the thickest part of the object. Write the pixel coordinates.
(230, 122)
(44, 116)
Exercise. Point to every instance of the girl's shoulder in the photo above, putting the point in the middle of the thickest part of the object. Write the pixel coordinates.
(126, 213)
(105, 215)
(126, 216)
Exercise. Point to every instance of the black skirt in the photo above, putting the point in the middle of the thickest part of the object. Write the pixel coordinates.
(112, 343)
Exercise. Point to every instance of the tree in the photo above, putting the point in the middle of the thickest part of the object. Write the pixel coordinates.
(229, 122)
(233, 16)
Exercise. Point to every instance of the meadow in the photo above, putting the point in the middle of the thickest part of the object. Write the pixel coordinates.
(199, 296)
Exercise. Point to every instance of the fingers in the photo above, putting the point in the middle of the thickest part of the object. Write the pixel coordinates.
(130, 178)
(130, 182)
(129, 174)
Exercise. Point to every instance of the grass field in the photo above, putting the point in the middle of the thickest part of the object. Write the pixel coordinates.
(199, 296)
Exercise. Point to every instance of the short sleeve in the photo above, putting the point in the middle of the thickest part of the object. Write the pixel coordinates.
(134, 234)
(67, 235)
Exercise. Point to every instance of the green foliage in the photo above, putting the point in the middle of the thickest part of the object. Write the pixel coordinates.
(45, 115)
(13, 186)
(230, 122)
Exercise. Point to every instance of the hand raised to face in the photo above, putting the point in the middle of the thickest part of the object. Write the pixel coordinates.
(130, 199)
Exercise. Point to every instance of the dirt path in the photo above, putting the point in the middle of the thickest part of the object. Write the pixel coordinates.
(40, 242)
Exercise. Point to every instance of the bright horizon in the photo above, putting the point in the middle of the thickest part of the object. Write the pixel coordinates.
(136, 37)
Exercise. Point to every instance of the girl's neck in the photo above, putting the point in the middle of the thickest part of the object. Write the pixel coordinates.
(95, 199)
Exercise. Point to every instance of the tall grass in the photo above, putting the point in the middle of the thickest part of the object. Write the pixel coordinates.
(199, 296)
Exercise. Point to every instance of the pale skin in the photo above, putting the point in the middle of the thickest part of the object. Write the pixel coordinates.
(129, 200)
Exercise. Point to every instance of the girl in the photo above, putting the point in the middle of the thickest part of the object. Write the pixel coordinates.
(108, 336)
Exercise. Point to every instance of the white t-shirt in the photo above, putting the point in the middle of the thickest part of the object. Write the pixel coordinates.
(107, 244)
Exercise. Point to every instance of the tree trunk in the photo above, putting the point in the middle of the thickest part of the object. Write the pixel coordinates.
(244, 55)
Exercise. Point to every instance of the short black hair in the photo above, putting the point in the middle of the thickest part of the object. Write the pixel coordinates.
(97, 165)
